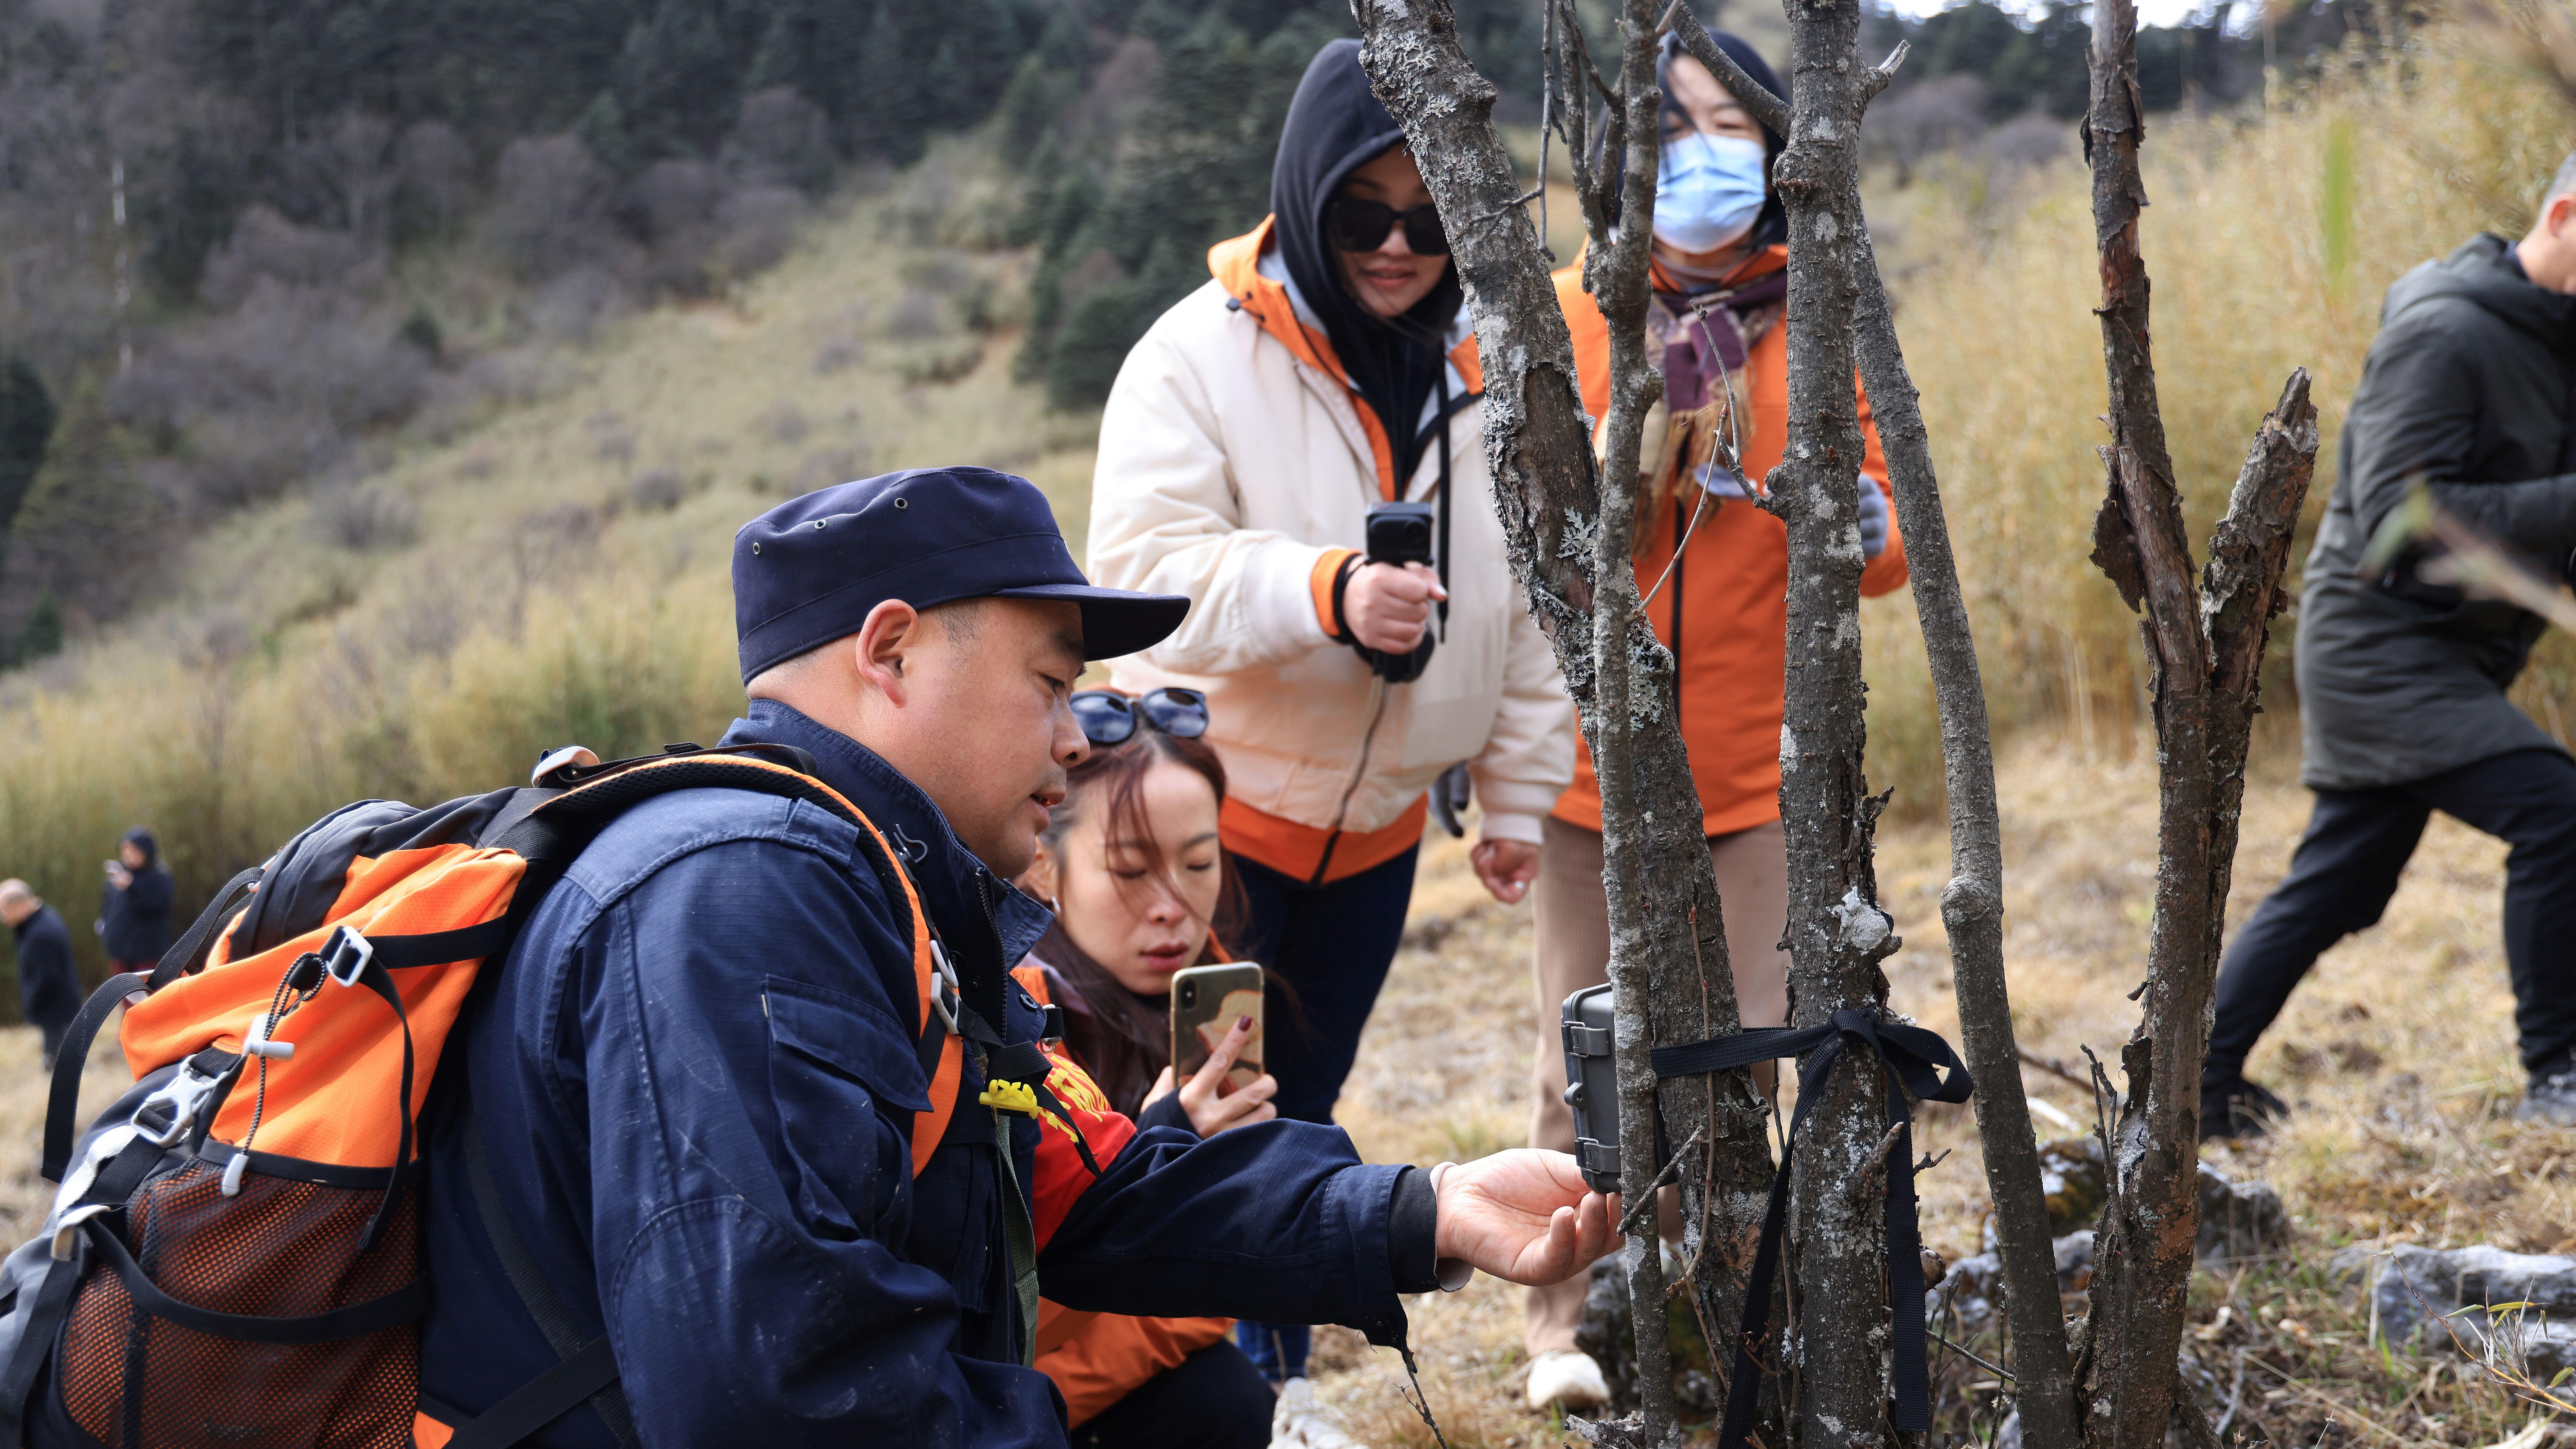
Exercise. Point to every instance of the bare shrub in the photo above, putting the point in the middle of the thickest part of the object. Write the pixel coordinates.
(279, 388)
(758, 225)
(347, 171)
(828, 466)
(837, 354)
(916, 315)
(657, 490)
(564, 527)
(574, 303)
(365, 518)
(266, 246)
(671, 207)
(781, 139)
(945, 273)
(550, 207)
(434, 175)
(2028, 139)
(1912, 123)
(784, 424)
(610, 438)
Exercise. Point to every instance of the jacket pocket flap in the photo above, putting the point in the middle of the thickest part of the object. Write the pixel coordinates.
(854, 1038)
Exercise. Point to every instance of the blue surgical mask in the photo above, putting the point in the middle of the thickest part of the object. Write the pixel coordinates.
(1708, 192)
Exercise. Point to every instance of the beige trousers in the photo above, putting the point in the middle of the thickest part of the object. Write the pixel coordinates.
(1573, 927)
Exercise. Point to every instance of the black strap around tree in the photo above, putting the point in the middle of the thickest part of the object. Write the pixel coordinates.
(1916, 1058)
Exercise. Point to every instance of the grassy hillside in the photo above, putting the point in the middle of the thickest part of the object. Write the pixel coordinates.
(558, 574)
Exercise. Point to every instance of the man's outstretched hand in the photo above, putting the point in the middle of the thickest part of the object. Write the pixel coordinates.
(1525, 1215)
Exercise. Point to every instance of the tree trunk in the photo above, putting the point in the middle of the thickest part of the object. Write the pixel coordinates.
(1567, 541)
(1972, 904)
(1837, 933)
(2205, 645)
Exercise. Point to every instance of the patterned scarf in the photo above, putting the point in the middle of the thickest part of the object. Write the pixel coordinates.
(1708, 336)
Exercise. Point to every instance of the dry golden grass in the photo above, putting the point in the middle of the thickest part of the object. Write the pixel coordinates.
(2271, 242)
(2397, 1053)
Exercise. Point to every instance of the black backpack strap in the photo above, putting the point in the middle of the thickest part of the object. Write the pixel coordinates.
(187, 955)
(591, 1373)
(63, 1106)
(586, 1370)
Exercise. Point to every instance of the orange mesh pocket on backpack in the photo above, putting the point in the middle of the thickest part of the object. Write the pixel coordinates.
(283, 1249)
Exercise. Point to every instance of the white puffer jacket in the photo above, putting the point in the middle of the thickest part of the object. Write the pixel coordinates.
(1232, 462)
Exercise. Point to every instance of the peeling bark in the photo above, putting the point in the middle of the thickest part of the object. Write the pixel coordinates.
(1568, 542)
(1973, 902)
(2204, 641)
(1837, 933)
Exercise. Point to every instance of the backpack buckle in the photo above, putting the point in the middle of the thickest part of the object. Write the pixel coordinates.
(67, 1227)
(556, 761)
(946, 996)
(1017, 1097)
(345, 955)
(186, 1094)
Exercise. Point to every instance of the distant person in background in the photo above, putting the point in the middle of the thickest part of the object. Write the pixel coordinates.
(1721, 287)
(49, 993)
(2402, 680)
(134, 919)
(1328, 367)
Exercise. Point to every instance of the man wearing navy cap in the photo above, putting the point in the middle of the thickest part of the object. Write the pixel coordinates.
(696, 1080)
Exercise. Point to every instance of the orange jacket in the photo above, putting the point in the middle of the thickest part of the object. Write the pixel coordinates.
(1725, 610)
(1096, 1359)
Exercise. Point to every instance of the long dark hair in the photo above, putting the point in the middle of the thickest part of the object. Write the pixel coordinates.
(1122, 1039)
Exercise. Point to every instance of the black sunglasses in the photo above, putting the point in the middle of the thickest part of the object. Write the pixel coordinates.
(1352, 224)
(1110, 718)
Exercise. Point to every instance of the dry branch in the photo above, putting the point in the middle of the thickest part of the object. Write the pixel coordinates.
(1837, 934)
(1566, 538)
(1972, 904)
(2205, 639)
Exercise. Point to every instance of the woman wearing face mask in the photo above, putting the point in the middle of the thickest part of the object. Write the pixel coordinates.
(1720, 288)
(1131, 862)
(1327, 367)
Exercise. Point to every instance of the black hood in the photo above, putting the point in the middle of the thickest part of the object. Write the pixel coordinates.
(141, 838)
(2485, 271)
(1335, 125)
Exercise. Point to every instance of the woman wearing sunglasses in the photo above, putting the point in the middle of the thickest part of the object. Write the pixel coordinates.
(1132, 866)
(1326, 368)
(1720, 288)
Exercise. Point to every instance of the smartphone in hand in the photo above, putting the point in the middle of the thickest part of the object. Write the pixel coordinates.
(1206, 1000)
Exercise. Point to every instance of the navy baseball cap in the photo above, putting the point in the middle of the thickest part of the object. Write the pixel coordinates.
(808, 571)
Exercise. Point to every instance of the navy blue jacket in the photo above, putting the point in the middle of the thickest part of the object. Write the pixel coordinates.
(696, 1078)
(49, 988)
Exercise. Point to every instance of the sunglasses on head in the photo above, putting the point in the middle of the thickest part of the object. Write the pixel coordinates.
(1110, 718)
(1353, 224)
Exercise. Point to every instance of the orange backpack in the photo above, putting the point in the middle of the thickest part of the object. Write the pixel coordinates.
(235, 1255)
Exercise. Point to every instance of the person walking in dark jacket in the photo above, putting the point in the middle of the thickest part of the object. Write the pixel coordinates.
(134, 919)
(49, 994)
(696, 1079)
(2402, 683)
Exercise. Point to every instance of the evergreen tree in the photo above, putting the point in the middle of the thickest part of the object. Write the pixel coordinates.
(27, 418)
(88, 512)
(43, 631)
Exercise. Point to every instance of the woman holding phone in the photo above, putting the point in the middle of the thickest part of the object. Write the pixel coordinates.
(1133, 867)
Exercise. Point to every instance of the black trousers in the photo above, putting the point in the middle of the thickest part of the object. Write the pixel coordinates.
(2346, 868)
(1214, 1399)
